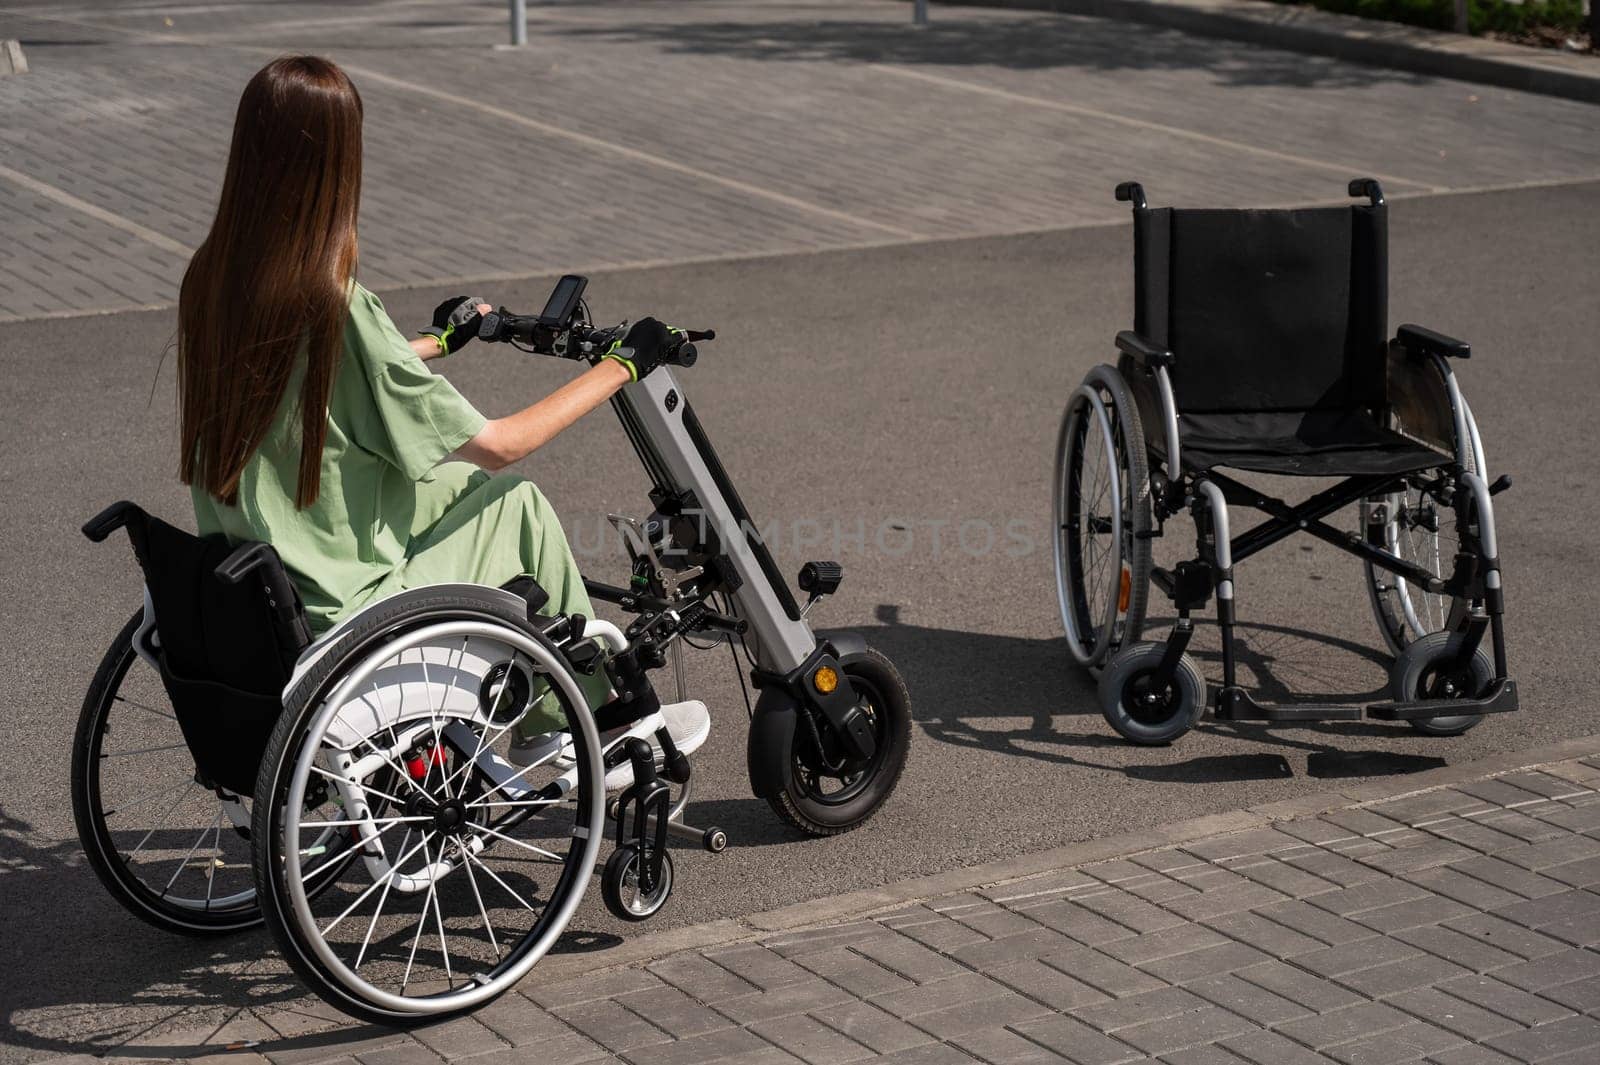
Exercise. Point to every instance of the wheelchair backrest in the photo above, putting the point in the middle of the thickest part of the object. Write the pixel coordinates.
(1266, 310)
(225, 648)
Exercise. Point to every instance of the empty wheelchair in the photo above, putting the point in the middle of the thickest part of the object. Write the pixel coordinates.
(357, 794)
(1260, 344)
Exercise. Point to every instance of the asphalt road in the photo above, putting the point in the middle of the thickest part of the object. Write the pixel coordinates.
(915, 387)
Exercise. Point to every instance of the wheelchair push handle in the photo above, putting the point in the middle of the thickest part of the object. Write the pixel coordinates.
(242, 560)
(109, 520)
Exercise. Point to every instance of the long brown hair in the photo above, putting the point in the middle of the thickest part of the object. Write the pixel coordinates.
(272, 276)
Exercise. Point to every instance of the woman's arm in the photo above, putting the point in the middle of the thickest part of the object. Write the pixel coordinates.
(503, 441)
(428, 347)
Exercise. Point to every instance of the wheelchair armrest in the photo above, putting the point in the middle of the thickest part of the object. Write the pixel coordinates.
(241, 560)
(1147, 355)
(1426, 342)
(109, 520)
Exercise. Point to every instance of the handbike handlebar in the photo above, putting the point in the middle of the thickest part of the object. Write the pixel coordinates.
(577, 340)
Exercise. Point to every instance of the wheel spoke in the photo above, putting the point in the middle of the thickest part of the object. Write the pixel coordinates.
(309, 825)
(382, 898)
(484, 913)
(394, 870)
(145, 750)
(422, 921)
(547, 759)
(211, 870)
(518, 843)
(519, 802)
(390, 762)
(438, 740)
(183, 862)
(473, 858)
(336, 778)
(109, 814)
(438, 920)
(141, 706)
(181, 796)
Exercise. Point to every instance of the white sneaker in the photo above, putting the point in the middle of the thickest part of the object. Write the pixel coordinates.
(531, 750)
(688, 723)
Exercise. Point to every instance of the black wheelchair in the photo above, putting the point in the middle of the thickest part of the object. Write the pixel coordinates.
(358, 794)
(1260, 343)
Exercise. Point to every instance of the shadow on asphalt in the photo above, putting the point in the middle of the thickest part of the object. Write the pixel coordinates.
(1019, 44)
(1034, 679)
(142, 972)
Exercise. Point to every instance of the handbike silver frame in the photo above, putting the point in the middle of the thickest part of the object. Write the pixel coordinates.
(653, 413)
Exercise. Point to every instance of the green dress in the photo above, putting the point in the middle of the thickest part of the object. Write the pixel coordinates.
(390, 514)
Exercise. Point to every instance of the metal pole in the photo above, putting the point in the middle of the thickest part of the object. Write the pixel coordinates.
(919, 12)
(519, 22)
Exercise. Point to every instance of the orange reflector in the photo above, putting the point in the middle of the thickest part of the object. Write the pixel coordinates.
(1126, 590)
(825, 679)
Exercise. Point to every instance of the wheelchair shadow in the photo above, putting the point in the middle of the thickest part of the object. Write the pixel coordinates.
(1020, 703)
(115, 987)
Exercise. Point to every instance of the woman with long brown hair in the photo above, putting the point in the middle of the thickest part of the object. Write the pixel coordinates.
(309, 422)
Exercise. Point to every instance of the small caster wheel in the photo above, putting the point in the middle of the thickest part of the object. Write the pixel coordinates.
(613, 808)
(1145, 713)
(1427, 669)
(619, 885)
(715, 840)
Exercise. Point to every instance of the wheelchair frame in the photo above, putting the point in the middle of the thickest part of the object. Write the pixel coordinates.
(1475, 582)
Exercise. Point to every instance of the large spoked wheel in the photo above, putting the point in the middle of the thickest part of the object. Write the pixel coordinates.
(470, 867)
(825, 793)
(174, 852)
(1102, 510)
(1416, 525)
(1143, 709)
(1429, 669)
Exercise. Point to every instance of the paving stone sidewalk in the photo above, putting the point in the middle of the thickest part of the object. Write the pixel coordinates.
(1456, 926)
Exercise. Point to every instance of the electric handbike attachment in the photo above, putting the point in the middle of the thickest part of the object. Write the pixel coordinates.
(366, 796)
(831, 725)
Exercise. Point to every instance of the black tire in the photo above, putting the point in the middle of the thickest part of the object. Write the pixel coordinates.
(621, 896)
(1095, 630)
(1146, 717)
(802, 802)
(404, 614)
(1420, 673)
(157, 908)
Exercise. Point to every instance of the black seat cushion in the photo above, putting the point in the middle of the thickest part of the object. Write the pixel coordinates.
(1318, 443)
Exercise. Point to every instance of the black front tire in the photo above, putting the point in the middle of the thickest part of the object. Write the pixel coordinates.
(1426, 670)
(802, 803)
(621, 896)
(1144, 716)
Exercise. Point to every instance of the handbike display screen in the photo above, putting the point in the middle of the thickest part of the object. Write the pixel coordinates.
(563, 302)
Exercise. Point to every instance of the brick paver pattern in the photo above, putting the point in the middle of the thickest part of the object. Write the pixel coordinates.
(632, 131)
(1456, 927)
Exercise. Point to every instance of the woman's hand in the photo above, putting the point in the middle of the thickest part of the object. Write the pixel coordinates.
(644, 348)
(455, 323)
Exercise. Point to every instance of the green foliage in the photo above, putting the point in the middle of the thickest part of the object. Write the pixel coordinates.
(1483, 16)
